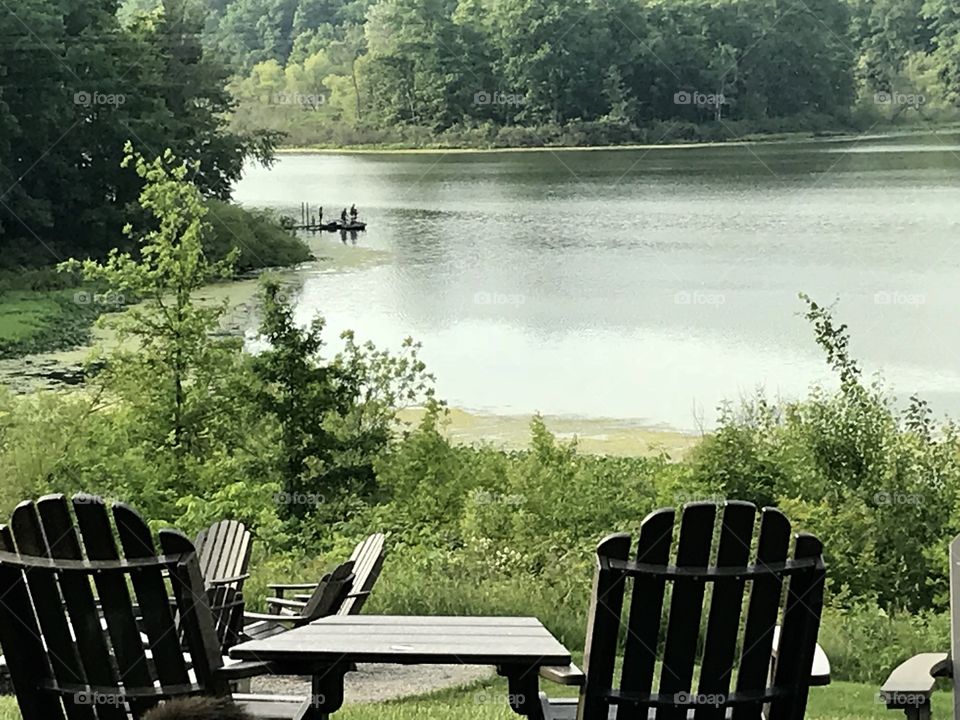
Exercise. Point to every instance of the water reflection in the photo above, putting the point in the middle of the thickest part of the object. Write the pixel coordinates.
(644, 284)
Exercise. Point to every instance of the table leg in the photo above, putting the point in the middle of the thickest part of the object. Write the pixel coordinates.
(524, 692)
(327, 693)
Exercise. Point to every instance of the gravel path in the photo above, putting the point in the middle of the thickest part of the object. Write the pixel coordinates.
(376, 683)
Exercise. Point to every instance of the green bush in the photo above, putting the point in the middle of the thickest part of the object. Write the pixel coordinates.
(864, 642)
(255, 233)
(877, 485)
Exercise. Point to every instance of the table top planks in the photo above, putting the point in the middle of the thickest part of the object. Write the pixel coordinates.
(406, 640)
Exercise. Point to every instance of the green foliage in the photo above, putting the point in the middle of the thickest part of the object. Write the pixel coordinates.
(879, 486)
(176, 383)
(529, 72)
(186, 421)
(78, 84)
(335, 417)
(865, 642)
(597, 73)
(255, 235)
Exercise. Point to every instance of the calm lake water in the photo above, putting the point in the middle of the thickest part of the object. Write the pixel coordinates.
(647, 285)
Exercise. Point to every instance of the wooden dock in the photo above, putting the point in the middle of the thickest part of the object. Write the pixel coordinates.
(313, 222)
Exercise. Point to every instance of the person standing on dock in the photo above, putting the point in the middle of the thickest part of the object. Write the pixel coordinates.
(343, 216)
(320, 216)
(353, 213)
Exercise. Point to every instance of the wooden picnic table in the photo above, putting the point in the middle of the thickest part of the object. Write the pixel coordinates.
(328, 648)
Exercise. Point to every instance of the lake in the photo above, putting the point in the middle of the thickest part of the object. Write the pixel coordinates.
(636, 284)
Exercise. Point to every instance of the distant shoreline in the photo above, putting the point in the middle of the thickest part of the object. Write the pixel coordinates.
(775, 139)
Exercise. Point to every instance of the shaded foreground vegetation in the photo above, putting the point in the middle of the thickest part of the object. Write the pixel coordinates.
(302, 443)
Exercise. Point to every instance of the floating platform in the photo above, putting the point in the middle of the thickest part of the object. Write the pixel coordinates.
(326, 227)
(310, 223)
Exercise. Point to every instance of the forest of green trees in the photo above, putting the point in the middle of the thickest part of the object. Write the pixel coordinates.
(75, 85)
(312, 67)
(222, 81)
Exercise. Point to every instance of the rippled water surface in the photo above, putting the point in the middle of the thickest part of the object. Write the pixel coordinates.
(642, 284)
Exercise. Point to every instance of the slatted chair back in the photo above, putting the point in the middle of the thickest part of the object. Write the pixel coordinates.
(224, 550)
(330, 593)
(663, 611)
(224, 555)
(72, 660)
(367, 560)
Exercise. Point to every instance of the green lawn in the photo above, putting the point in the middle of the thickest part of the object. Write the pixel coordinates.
(488, 701)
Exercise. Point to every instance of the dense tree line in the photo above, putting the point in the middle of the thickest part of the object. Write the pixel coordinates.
(442, 64)
(80, 77)
(76, 83)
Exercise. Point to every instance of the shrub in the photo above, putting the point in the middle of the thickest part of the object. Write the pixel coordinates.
(257, 235)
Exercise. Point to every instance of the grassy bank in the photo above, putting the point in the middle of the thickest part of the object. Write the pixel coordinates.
(33, 321)
(42, 310)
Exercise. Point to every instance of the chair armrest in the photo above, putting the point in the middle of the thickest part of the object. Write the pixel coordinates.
(256, 617)
(246, 669)
(283, 602)
(820, 671)
(278, 588)
(227, 580)
(563, 674)
(912, 678)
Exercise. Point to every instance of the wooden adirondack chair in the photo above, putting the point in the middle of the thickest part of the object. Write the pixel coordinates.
(224, 555)
(910, 685)
(68, 626)
(367, 558)
(770, 668)
(329, 595)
